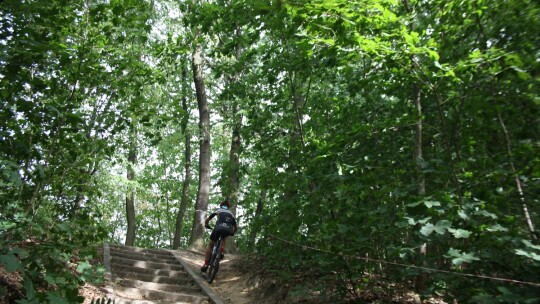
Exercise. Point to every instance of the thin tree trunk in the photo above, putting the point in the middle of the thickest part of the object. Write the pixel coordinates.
(519, 186)
(234, 158)
(298, 103)
(234, 153)
(258, 212)
(170, 237)
(421, 279)
(160, 232)
(201, 205)
(187, 168)
(234, 172)
(130, 199)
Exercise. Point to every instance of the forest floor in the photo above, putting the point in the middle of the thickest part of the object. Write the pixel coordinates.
(242, 280)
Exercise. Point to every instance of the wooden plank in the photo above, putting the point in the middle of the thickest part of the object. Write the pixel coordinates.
(214, 297)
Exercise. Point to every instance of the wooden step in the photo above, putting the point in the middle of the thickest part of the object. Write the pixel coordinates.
(148, 276)
(126, 254)
(188, 287)
(155, 295)
(156, 272)
(133, 262)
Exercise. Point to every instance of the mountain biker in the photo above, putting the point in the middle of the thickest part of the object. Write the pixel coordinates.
(225, 226)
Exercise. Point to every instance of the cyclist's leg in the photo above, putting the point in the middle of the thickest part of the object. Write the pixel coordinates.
(213, 238)
(223, 243)
(208, 252)
(207, 256)
(224, 234)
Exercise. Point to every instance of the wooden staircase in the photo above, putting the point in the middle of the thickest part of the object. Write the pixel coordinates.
(148, 276)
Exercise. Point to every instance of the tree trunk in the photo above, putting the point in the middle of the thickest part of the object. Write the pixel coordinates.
(234, 152)
(130, 199)
(187, 168)
(234, 173)
(519, 187)
(168, 227)
(201, 205)
(258, 212)
(157, 239)
(421, 279)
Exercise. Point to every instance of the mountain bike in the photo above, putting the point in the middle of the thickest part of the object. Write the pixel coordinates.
(215, 257)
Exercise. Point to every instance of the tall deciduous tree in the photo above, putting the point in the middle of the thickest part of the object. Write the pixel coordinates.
(130, 196)
(187, 165)
(233, 167)
(201, 205)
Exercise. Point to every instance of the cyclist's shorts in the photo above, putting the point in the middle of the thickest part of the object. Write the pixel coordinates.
(219, 230)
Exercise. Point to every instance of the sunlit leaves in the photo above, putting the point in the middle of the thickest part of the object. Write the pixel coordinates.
(531, 251)
(459, 257)
(459, 233)
(440, 227)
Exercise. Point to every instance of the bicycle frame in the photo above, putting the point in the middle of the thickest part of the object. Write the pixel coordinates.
(216, 249)
(215, 257)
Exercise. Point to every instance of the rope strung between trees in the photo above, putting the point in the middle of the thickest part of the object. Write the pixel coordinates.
(411, 266)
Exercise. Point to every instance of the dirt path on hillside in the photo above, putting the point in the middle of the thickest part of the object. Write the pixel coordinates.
(230, 283)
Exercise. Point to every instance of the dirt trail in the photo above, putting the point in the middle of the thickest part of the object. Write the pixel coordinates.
(233, 286)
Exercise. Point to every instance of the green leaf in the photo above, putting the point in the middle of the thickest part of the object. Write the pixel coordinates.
(427, 203)
(424, 220)
(434, 55)
(64, 227)
(430, 204)
(496, 227)
(30, 291)
(118, 9)
(460, 233)
(530, 255)
(415, 204)
(462, 214)
(343, 228)
(83, 266)
(427, 229)
(11, 262)
(486, 214)
(74, 118)
(55, 297)
(522, 74)
(410, 221)
(7, 225)
(514, 60)
(460, 257)
(50, 279)
(440, 227)
(530, 245)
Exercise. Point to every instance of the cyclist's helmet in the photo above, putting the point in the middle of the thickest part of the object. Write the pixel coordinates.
(226, 204)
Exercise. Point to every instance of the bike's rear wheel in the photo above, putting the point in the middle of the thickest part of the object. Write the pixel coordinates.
(213, 269)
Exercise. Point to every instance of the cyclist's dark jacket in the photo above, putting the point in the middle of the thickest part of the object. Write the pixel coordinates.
(225, 222)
